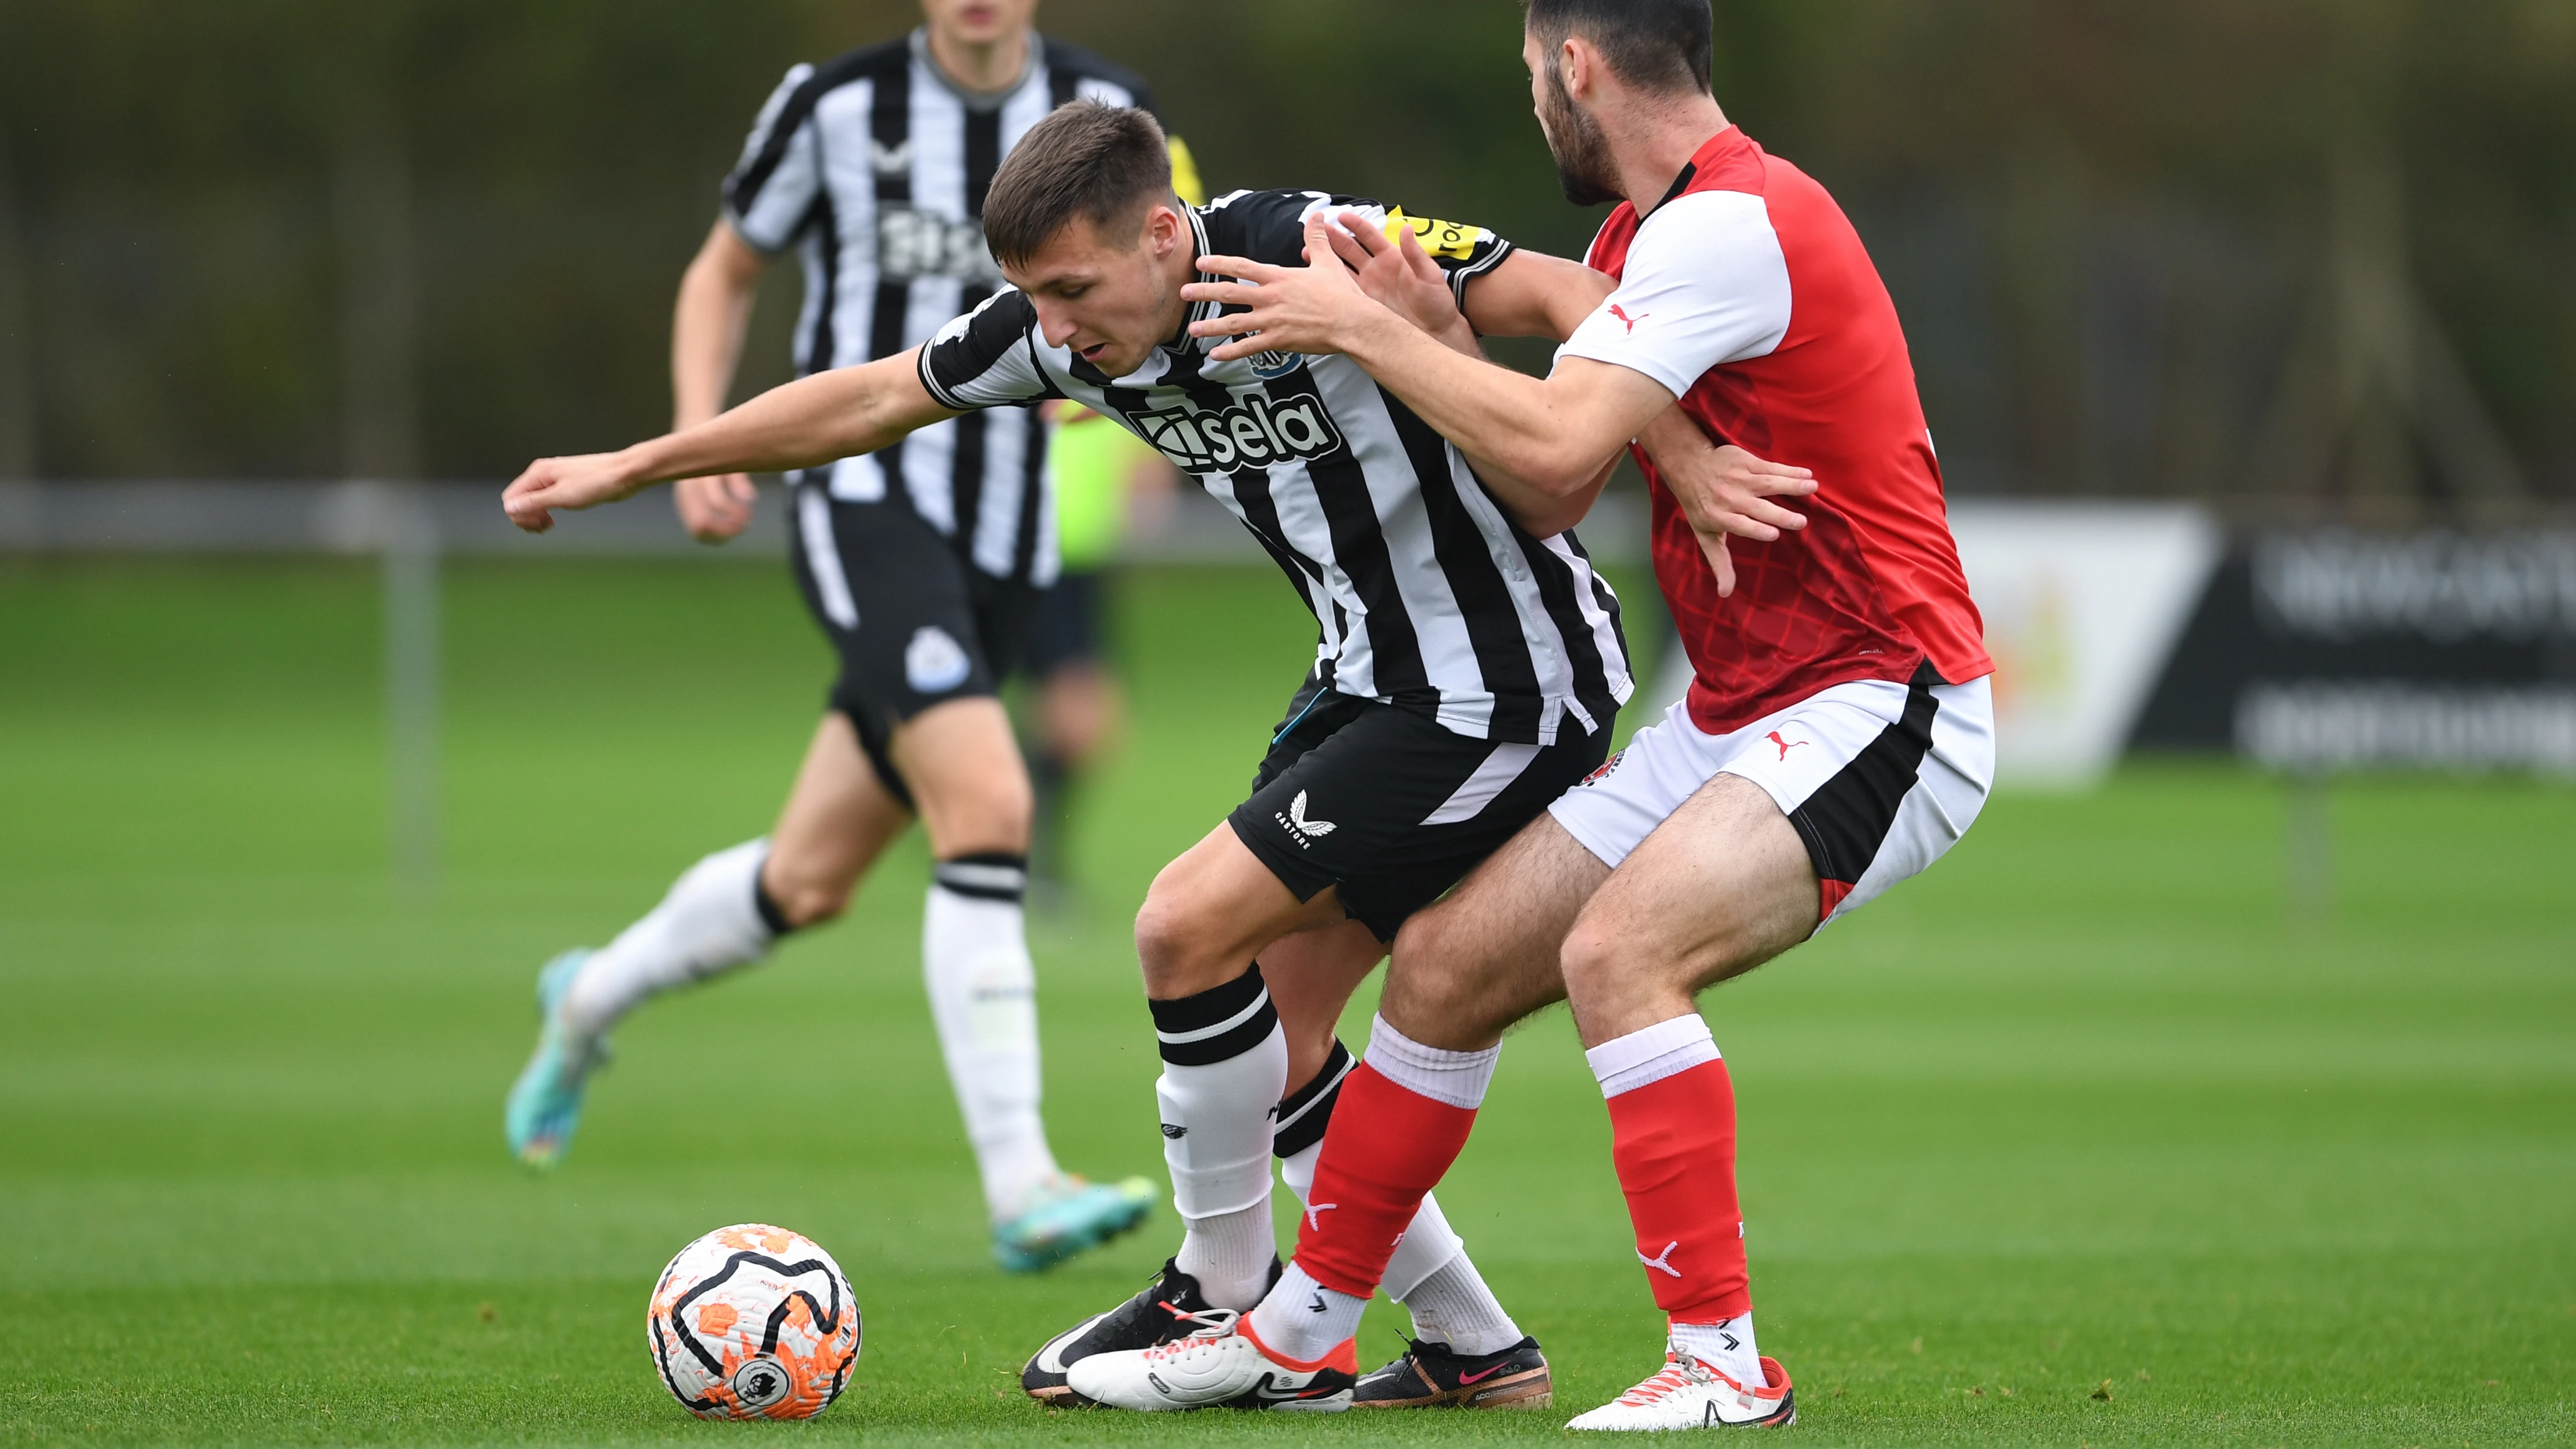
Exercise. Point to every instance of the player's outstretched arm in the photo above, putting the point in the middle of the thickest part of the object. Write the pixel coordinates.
(809, 422)
(708, 322)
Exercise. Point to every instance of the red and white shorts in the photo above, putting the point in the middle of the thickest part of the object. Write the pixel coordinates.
(1879, 778)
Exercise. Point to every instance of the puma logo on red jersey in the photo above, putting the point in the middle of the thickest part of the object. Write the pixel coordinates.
(1787, 745)
(1622, 314)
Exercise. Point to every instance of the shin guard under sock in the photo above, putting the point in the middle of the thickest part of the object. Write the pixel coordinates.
(1402, 1119)
(1672, 1119)
(983, 998)
(1225, 1065)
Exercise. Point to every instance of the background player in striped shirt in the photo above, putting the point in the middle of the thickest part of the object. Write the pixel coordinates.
(921, 562)
(1466, 671)
(1109, 486)
(1837, 738)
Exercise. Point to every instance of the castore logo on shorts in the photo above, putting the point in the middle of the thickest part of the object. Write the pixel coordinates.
(1299, 828)
(1252, 433)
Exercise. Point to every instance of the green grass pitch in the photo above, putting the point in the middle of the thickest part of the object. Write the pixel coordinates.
(2082, 1139)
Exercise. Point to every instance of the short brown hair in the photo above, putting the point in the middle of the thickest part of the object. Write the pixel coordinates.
(1660, 46)
(1102, 163)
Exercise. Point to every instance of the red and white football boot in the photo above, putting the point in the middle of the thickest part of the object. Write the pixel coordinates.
(1219, 1368)
(1689, 1394)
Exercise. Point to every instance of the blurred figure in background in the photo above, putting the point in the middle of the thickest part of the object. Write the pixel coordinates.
(1109, 486)
(920, 562)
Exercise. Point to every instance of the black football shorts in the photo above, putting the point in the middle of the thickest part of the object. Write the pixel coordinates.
(1389, 807)
(1069, 625)
(915, 625)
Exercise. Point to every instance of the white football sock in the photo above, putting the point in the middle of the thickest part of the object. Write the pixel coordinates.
(1727, 1347)
(1305, 1320)
(708, 921)
(1230, 1254)
(1430, 1273)
(983, 995)
(1452, 1305)
(1225, 1063)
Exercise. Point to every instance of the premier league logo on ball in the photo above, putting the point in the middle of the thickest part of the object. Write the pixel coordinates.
(753, 1322)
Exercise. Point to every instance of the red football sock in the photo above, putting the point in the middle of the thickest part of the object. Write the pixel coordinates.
(1674, 1142)
(1387, 1146)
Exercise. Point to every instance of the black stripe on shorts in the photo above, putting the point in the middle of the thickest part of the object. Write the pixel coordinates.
(1847, 819)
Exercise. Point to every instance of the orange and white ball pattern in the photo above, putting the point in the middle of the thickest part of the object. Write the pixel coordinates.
(754, 1322)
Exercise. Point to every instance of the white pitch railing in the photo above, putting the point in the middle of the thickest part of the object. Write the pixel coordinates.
(410, 528)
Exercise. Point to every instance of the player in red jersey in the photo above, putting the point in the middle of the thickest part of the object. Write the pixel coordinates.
(1837, 737)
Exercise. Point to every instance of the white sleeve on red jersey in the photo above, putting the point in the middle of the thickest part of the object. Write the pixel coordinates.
(1705, 283)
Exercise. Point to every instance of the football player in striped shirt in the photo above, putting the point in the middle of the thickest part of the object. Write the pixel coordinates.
(1837, 739)
(921, 562)
(1467, 670)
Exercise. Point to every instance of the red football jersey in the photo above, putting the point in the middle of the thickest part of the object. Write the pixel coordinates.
(1748, 294)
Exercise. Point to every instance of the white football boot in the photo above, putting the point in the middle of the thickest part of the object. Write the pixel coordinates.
(1220, 1367)
(1688, 1394)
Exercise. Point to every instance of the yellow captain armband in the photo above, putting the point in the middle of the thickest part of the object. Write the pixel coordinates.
(1454, 240)
(1185, 172)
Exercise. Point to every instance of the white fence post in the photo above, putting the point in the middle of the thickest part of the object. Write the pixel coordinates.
(410, 563)
(396, 523)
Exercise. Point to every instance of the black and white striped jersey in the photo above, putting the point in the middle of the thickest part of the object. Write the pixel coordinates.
(875, 165)
(1427, 595)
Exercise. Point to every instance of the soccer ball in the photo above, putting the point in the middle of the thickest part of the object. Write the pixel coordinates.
(753, 1322)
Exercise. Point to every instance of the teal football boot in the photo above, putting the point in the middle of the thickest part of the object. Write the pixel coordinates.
(1069, 1216)
(545, 1103)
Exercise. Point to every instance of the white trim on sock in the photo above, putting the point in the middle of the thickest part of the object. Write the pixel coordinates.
(1458, 1079)
(969, 875)
(1641, 1058)
(1197, 1034)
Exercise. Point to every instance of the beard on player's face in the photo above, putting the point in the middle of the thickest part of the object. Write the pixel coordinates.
(1584, 167)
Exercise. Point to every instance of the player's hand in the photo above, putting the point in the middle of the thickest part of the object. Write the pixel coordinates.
(580, 482)
(717, 509)
(1399, 275)
(1726, 492)
(1314, 308)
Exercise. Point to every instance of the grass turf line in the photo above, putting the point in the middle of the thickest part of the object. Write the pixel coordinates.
(2083, 1105)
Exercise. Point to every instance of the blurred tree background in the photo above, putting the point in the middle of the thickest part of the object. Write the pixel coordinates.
(2297, 256)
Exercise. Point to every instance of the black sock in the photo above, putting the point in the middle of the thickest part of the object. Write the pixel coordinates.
(772, 914)
(1191, 1017)
(1307, 1111)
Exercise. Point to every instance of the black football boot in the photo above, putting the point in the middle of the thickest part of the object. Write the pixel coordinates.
(1170, 1308)
(1429, 1376)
